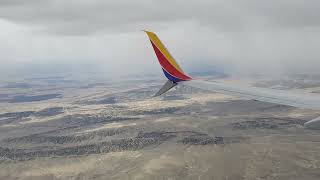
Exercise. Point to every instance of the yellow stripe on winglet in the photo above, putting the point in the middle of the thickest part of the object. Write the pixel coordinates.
(154, 38)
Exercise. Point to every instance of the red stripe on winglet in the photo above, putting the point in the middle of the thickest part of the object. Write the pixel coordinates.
(167, 66)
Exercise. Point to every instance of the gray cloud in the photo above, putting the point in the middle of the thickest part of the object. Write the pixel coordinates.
(85, 17)
(243, 35)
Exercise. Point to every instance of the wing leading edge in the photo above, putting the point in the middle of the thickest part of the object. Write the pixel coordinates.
(175, 75)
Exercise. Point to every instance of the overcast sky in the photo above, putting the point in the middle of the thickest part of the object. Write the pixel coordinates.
(240, 36)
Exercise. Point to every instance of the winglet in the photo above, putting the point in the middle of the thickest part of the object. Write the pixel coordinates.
(166, 87)
(170, 67)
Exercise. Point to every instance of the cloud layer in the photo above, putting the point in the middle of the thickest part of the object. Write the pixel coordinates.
(242, 36)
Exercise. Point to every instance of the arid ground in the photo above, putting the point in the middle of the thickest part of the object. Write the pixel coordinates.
(60, 128)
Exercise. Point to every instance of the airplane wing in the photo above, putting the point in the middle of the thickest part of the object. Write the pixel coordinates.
(175, 76)
(300, 100)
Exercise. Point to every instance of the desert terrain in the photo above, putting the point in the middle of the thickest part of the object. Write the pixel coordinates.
(62, 128)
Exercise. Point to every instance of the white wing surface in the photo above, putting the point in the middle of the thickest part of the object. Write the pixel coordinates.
(300, 100)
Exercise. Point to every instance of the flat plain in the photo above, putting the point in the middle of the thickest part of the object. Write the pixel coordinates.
(61, 128)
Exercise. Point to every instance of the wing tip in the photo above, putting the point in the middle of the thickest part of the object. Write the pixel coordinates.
(171, 68)
(147, 31)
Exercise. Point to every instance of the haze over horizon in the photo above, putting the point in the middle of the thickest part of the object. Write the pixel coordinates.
(240, 37)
